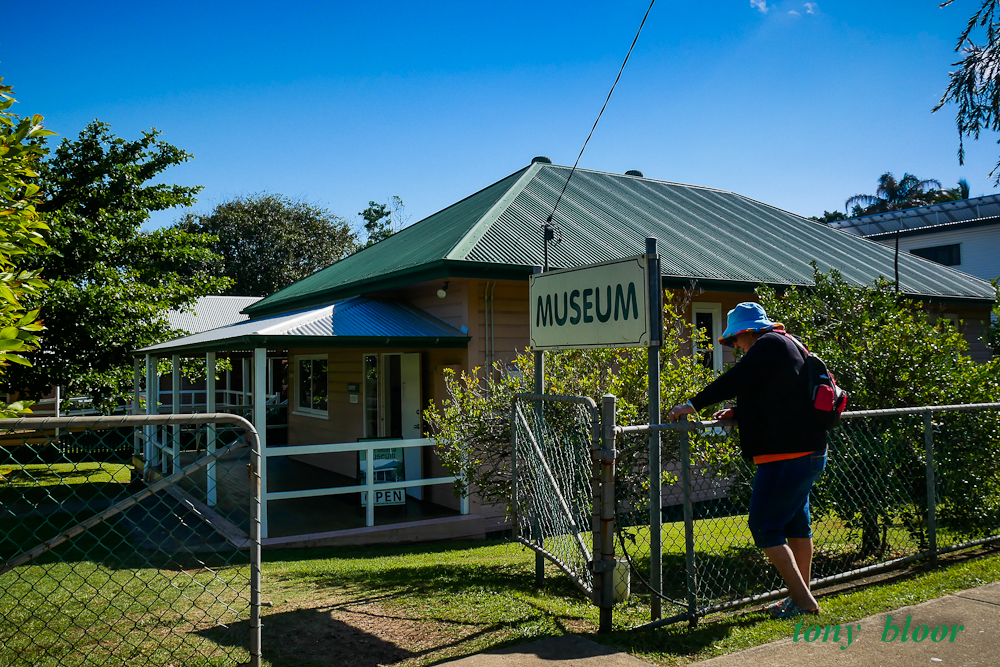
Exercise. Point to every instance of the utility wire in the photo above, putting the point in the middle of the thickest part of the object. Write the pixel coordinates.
(548, 221)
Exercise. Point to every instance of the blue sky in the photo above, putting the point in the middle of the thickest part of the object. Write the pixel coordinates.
(796, 104)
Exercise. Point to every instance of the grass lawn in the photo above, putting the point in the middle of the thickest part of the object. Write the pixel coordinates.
(423, 604)
(367, 606)
(53, 474)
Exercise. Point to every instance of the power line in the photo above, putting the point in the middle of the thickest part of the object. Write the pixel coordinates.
(549, 232)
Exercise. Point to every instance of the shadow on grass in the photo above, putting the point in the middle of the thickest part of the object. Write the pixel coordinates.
(312, 638)
(435, 580)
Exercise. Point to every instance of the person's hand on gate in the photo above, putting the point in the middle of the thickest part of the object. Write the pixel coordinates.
(724, 414)
(678, 411)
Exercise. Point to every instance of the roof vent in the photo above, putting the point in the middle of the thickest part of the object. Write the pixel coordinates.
(634, 172)
(541, 159)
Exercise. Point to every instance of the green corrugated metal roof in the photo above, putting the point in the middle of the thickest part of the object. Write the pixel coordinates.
(722, 239)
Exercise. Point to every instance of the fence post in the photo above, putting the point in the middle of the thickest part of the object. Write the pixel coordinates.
(257, 462)
(692, 590)
(605, 574)
(538, 408)
(931, 491)
(655, 470)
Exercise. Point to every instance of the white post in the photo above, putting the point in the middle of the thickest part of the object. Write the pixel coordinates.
(260, 423)
(56, 412)
(136, 407)
(246, 385)
(152, 389)
(370, 482)
(175, 408)
(211, 432)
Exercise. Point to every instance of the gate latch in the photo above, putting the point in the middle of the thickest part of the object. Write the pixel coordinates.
(604, 455)
(599, 566)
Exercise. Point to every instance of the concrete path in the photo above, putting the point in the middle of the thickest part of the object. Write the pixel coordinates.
(977, 643)
(961, 630)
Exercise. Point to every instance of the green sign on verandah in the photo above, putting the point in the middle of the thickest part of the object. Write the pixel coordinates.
(593, 306)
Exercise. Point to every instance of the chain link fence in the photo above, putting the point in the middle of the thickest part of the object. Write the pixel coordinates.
(552, 438)
(899, 485)
(129, 540)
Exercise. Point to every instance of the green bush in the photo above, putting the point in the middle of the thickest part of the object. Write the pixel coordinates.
(472, 426)
(890, 351)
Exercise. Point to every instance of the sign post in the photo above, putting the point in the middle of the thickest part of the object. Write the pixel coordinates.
(612, 304)
(655, 471)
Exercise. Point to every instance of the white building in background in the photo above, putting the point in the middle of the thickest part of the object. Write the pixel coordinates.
(964, 235)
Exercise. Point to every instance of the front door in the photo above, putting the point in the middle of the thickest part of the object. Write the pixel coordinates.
(392, 405)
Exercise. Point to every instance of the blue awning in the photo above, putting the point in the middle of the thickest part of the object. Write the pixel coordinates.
(355, 322)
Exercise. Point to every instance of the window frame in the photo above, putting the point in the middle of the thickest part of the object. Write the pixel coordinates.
(310, 412)
(715, 309)
(954, 250)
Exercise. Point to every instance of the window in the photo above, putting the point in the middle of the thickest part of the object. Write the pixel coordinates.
(708, 318)
(949, 255)
(371, 396)
(312, 386)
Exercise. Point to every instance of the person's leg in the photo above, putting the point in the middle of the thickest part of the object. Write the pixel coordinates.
(780, 522)
(798, 588)
(802, 551)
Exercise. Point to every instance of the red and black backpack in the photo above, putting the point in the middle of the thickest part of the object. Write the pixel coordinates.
(825, 399)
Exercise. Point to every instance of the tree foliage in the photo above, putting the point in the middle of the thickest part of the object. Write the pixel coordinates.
(992, 336)
(889, 351)
(383, 220)
(20, 237)
(829, 216)
(894, 195)
(268, 241)
(112, 283)
(975, 86)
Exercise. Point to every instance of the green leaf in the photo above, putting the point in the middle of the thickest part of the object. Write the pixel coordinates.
(17, 359)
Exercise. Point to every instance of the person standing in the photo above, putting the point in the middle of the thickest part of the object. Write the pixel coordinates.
(777, 434)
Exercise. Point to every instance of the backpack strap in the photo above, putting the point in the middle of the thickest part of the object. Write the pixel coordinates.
(798, 343)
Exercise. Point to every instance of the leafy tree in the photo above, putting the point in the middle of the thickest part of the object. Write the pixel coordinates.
(893, 195)
(974, 86)
(111, 283)
(957, 193)
(20, 237)
(383, 220)
(992, 337)
(267, 241)
(829, 216)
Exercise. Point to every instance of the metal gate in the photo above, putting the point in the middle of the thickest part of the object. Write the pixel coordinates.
(129, 540)
(563, 490)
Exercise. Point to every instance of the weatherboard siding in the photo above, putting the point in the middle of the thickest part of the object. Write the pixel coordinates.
(980, 247)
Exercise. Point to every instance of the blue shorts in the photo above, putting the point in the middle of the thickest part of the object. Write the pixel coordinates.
(779, 506)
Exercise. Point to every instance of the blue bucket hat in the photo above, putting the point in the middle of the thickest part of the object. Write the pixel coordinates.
(746, 316)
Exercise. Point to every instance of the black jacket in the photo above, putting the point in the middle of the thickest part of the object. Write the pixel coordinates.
(771, 405)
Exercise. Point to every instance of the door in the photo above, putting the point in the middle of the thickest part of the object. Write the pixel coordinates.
(409, 397)
(400, 407)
